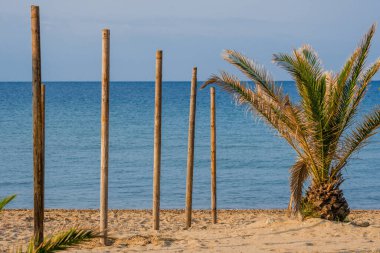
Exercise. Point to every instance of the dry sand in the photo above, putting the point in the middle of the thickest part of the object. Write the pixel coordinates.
(237, 231)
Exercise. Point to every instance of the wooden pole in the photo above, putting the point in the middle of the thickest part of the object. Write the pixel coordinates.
(104, 135)
(190, 149)
(38, 169)
(43, 139)
(157, 142)
(213, 155)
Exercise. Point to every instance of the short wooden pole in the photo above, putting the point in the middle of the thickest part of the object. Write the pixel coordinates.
(104, 136)
(38, 168)
(213, 155)
(190, 149)
(157, 142)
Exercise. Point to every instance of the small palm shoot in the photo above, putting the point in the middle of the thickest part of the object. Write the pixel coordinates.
(6, 200)
(321, 128)
(61, 241)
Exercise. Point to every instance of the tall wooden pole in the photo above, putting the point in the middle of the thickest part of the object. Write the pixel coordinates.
(104, 135)
(38, 166)
(157, 142)
(43, 139)
(190, 149)
(213, 154)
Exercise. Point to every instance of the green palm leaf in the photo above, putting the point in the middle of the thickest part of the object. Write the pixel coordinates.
(6, 200)
(357, 139)
(256, 73)
(255, 102)
(305, 67)
(348, 100)
(62, 241)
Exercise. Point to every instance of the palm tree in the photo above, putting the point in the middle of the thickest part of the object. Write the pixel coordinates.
(321, 127)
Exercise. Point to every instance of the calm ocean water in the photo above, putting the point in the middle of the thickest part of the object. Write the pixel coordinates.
(252, 163)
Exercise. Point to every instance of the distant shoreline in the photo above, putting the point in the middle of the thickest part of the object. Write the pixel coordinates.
(148, 81)
(176, 210)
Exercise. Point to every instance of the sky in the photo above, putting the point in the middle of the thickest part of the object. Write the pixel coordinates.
(190, 33)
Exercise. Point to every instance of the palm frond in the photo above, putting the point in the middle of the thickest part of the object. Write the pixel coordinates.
(312, 58)
(259, 103)
(285, 118)
(360, 90)
(63, 240)
(331, 81)
(334, 114)
(309, 78)
(334, 109)
(6, 200)
(306, 69)
(349, 91)
(346, 107)
(362, 86)
(346, 70)
(363, 53)
(357, 139)
(257, 73)
(298, 174)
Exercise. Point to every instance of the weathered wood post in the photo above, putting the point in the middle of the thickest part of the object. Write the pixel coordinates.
(43, 139)
(213, 154)
(38, 166)
(157, 142)
(104, 135)
(190, 149)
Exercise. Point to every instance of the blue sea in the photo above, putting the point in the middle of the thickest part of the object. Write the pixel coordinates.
(252, 162)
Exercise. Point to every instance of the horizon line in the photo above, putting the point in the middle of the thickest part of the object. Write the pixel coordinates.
(138, 81)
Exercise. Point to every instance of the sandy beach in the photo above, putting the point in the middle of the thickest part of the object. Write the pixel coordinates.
(236, 231)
